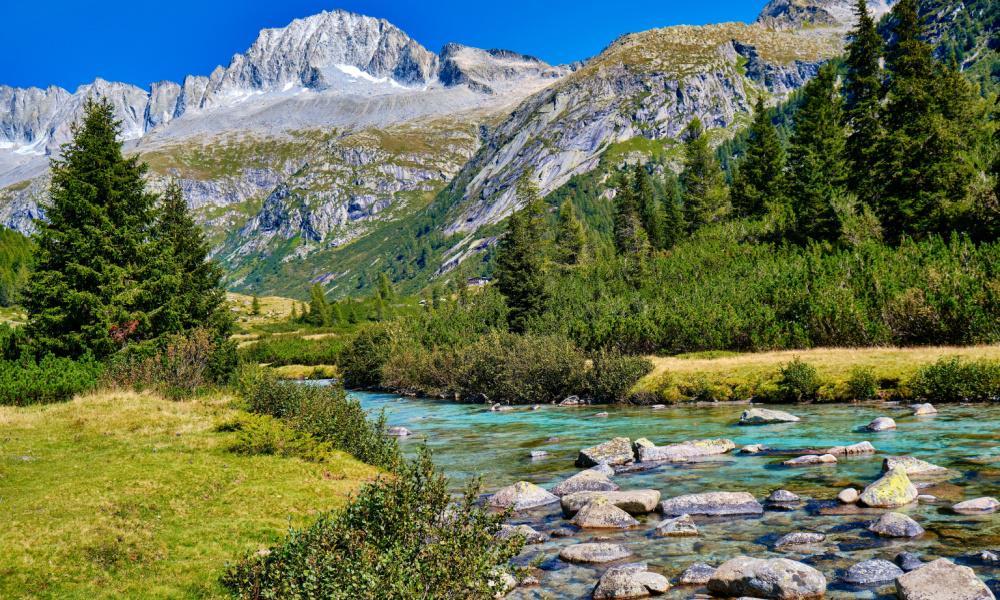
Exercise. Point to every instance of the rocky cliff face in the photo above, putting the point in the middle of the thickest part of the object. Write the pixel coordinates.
(798, 14)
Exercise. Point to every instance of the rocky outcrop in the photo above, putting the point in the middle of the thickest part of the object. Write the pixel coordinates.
(764, 416)
(594, 553)
(590, 480)
(522, 495)
(942, 580)
(892, 490)
(712, 504)
(767, 578)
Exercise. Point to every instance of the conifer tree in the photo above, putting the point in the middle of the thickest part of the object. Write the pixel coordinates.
(648, 207)
(385, 289)
(319, 310)
(706, 197)
(863, 94)
(631, 240)
(255, 305)
(817, 170)
(673, 212)
(571, 239)
(294, 317)
(760, 177)
(519, 266)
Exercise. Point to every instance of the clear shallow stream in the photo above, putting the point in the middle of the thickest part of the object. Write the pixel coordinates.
(470, 441)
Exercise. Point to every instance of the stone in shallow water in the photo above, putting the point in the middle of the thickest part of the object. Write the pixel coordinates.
(530, 535)
(753, 449)
(398, 431)
(777, 578)
(859, 449)
(522, 496)
(890, 491)
(979, 506)
(881, 424)
(764, 416)
(811, 459)
(848, 496)
(696, 574)
(913, 466)
(942, 580)
(783, 497)
(629, 581)
(712, 504)
(685, 451)
(636, 502)
(922, 410)
(896, 525)
(591, 480)
(600, 513)
(871, 571)
(594, 553)
(908, 561)
(682, 526)
(798, 538)
(538, 454)
(613, 452)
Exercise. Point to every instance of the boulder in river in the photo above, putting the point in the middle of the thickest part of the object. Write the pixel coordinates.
(600, 513)
(498, 407)
(685, 451)
(892, 490)
(572, 401)
(810, 460)
(777, 578)
(612, 452)
(530, 535)
(712, 504)
(859, 449)
(594, 553)
(881, 424)
(765, 416)
(753, 449)
(848, 496)
(923, 410)
(635, 502)
(942, 580)
(798, 538)
(870, 572)
(913, 466)
(682, 526)
(590, 480)
(696, 574)
(908, 561)
(398, 431)
(783, 497)
(522, 495)
(979, 506)
(896, 525)
(629, 581)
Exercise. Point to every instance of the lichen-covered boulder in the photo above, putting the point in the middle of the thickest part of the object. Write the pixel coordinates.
(530, 534)
(522, 495)
(600, 513)
(682, 526)
(881, 424)
(612, 452)
(979, 506)
(712, 504)
(629, 581)
(892, 490)
(594, 553)
(765, 416)
(896, 525)
(811, 459)
(777, 578)
(859, 449)
(913, 466)
(590, 480)
(942, 580)
(685, 451)
(635, 502)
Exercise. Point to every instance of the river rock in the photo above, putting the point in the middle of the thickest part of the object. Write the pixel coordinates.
(696, 574)
(591, 480)
(601, 415)
(497, 407)
(765, 416)
(572, 401)
(871, 572)
(630, 581)
(989, 557)
(979, 506)
(922, 410)
(538, 454)
(594, 553)
(613, 452)
(798, 538)
(522, 496)
(848, 496)
(859, 449)
(777, 578)
(600, 513)
(685, 450)
(913, 466)
(896, 525)
(530, 535)
(635, 502)
(881, 424)
(890, 491)
(942, 580)
(712, 504)
(908, 561)
(783, 497)
(642, 443)
(398, 431)
(753, 449)
(682, 526)
(811, 459)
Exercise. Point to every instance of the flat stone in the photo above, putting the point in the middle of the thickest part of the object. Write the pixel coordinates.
(594, 553)
(765, 416)
(811, 459)
(892, 490)
(942, 580)
(712, 504)
(896, 525)
(908, 561)
(753, 449)
(613, 452)
(398, 431)
(696, 574)
(913, 466)
(881, 424)
(501, 407)
(635, 502)
(682, 526)
(601, 415)
(979, 506)
(599, 513)
(927, 499)
(798, 538)
(777, 578)
(848, 496)
(562, 532)
(591, 480)
(522, 495)
(629, 581)
(685, 451)
(530, 535)
(923, 410)
(871, 572)
(859, 449)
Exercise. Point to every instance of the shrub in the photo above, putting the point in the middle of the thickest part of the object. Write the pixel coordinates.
(49, 380)
(11, 341)
(178, 366)
(798, 382)
(281, 350)
(362, 359)
(862, 384)
(401, 538)
(956, 380)
(263, 434)
(613, 374)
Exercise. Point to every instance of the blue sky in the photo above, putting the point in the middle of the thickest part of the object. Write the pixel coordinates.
(68, 43)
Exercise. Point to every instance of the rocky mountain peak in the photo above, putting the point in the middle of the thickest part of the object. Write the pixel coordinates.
(800, 14)
(484, 70)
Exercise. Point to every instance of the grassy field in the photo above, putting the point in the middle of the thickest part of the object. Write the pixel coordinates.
(730, 372)
(123, 495)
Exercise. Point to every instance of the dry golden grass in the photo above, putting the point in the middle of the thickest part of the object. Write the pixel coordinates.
(306, 372)
(272, 309)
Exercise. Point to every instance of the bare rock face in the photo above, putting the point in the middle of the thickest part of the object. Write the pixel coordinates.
(942, 580)
(685, 451)
(635, 502)
(892, 490)
(590, 480)
(712, 504)
(600, 513)
(764, 416)
(896, 525)
(522, 495)
(777, 578)
(613, 452)
(594, 553)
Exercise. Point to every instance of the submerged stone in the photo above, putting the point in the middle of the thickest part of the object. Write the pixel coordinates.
(979, 506)
(712, 504)
(765, 416)
(896, 525)
(682, 526)
(798, 538)
(908, 561)
(685, 450)
(811, 459)
(871, 572)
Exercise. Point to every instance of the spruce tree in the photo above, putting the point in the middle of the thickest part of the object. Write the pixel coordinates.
(862, 105)
(519, 259)
(319, 310)
(385, 289)
(648, 207)
(255, 305)
(571, 239)
(631, 240)
(706, 197)
(817, 169)
(99, 277)
(673, 212)
(759, 179)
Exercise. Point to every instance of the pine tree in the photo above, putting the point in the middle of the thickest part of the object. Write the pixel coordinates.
(571, 239)
(631, 239)
(862, 105)
(673, 212)
(385, 289)
(99, 277)
(255, 306)
(706, 197)
(817, 170)
(319, 310)
(519, 266)
(759, 179)
(648, 207)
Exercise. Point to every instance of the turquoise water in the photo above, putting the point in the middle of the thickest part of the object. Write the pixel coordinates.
(470, 441)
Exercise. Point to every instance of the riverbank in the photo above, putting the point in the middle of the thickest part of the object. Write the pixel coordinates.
(117, 495)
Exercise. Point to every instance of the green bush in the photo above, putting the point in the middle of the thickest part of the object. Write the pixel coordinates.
(956, 380)
(11, 342)
(177, 365)
(401, 538)
(862, 384)
(613, 374)
(49, 380)
(362, 359)
(281, 350)
(798, 382)
(263, 434)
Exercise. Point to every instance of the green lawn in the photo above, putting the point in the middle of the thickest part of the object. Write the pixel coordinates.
(128, 495)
